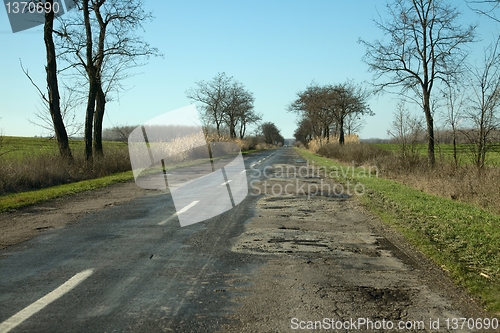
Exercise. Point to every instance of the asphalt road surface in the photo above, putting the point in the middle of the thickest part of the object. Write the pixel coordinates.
(276, 262)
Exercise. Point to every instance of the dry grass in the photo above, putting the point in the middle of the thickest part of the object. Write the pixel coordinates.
(30, 172)
(33, 163)
(357, 153)
(317, 143)
(462, 183)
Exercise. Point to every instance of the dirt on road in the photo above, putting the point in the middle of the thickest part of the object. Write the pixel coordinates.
(332, 265)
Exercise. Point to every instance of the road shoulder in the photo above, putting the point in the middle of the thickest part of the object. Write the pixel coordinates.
(23, 224)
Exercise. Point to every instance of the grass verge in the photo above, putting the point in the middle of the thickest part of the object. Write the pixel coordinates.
(18, 200)
(462, 239)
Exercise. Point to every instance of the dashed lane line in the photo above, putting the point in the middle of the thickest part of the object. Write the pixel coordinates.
(27, 312)
(177, 213)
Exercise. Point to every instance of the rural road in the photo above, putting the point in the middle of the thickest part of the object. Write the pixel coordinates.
(274, 263)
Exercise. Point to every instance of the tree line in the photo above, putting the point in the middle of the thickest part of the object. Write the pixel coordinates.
(330, 110)
(227, 108)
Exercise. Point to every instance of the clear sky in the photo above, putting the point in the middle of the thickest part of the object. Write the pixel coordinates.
(274, 47)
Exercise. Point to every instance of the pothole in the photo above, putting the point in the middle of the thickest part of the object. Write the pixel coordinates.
(284, 240)
(390, 303)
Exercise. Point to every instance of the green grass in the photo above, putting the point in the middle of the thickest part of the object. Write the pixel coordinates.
(18, 200)
(461, 238)
(15, 148)
(446, 151)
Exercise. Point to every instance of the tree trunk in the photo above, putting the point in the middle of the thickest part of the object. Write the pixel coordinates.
(430, 128)
(232, 128)
(98, 119)
(53, 87)
(242, 130)
(341, 130)
(91, 72)
(100, 95)
(455, 158)
(89, 120)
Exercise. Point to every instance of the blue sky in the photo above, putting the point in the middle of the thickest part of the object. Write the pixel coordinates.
(274, 47)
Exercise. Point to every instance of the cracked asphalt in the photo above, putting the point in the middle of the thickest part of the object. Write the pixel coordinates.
(280, 261)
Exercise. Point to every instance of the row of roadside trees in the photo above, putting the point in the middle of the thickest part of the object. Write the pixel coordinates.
(92, 48)
(228, 107)
(324, 111)
(225, 103)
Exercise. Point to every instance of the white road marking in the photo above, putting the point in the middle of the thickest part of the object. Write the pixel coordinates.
(226, 183)
(165, 221)
(243, 172)
(187, 207)
(27, 312)
(252, 165)
(177, 213)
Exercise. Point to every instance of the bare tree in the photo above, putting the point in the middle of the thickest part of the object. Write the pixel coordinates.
(354, 123)
(426, 46)
(225, 101)
(272, 134)
(108, 27)
(484, 103)
(349, 99)
(406, 130)
(304, 132)
(454, 95)
(487, 8)
(213, 95)
(238, 105)
(329, 105)
(69, 104)
(52, 98)
(247, 118)
(314, 104)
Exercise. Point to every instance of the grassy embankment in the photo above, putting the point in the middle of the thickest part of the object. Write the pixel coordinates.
(33, 173)
(461, 238)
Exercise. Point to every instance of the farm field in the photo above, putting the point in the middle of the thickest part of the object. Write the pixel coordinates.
(16, 148)
(30, 164)
(445, 152)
